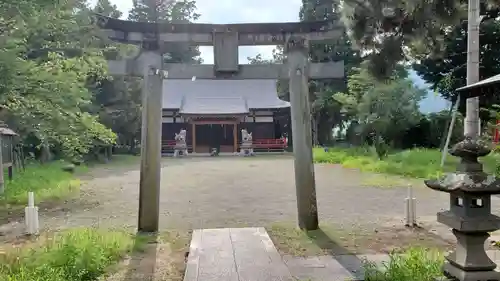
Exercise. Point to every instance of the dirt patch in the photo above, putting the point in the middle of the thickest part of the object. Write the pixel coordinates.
(328, 240)
(158, 258)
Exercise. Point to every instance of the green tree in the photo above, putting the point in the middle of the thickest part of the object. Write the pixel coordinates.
(326, 110)
(117, 100)
(106, 8)
(449, 72)
(170, 11)
(392, 31)
(381, 109)
(44, 88)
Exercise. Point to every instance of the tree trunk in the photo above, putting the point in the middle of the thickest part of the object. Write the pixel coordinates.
(45, 154)
(315, 127)
(325, 127)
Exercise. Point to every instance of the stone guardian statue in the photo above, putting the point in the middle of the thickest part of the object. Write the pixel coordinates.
(246, 148)
(180, 148)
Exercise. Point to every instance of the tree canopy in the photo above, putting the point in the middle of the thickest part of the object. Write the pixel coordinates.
(449, 72)
(54, 87)
(393, 31)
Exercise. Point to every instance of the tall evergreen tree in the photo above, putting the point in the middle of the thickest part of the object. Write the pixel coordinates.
(106, 8)
(326, 110)
(449, 71)
(171, 11)
(396, 30)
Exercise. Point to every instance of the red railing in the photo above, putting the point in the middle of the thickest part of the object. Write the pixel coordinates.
(168, 143)
(269, 143)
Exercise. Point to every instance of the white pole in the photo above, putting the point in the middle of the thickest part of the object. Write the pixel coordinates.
(411, 208)
(31, 216)
(471, 127)
(450, 131)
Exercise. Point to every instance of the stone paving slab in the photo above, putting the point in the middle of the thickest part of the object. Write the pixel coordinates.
(341, 267)
(234, 254)
(331, 268)
(248, 254)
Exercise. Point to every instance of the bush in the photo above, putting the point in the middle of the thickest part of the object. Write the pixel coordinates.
(76, 255)
(48, 181)
(416, 264)
(415, 163)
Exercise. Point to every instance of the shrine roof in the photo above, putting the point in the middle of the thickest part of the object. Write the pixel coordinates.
(204, 96)
(486, 86)
(212, 105)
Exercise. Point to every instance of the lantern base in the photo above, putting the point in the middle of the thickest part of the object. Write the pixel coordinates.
(454, 273)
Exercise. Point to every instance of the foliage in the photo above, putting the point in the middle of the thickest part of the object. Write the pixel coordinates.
(104, 7)
(182, 11)
(45, 88)
(47, 181)
(491, 125)
(120, 108)
(413, 163)
(326, 110)
(431, 131)
(77, 255)
(449, 71)
(392, 31)
(380, 109)
(416, 264)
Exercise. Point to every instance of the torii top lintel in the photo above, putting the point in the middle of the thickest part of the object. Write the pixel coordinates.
(202, 34)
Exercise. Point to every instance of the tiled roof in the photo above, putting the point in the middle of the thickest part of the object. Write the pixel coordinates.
(205, 96)
(212, 105)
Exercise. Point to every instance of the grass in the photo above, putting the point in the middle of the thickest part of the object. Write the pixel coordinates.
(90, 254)
(359, 240)
(162, 258)
(47, 181)
(414, 163)
(77, 255)
(416, 264)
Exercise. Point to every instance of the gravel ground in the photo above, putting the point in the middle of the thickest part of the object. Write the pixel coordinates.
(232, 191)
(208, 192)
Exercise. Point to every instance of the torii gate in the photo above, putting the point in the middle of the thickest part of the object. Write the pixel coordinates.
(226, 38)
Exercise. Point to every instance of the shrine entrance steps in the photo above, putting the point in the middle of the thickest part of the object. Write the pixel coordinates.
(248, 254)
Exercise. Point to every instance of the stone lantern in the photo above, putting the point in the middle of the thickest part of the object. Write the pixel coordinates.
(469, 216)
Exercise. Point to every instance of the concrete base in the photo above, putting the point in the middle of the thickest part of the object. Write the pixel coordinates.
(456, 273)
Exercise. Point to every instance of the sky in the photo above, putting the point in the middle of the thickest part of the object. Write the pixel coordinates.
(243, 11)
(236, 11)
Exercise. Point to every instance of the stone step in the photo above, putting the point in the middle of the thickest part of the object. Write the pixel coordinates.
(234, 254)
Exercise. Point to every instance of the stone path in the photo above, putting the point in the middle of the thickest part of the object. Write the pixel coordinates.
(234, 254)
(248, 254)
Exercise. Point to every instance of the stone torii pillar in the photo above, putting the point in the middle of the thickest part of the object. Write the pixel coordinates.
(296, 49)
(226, 39)
(149, 186)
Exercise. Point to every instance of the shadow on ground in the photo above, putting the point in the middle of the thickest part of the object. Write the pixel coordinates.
(155, 258)
(349, 260)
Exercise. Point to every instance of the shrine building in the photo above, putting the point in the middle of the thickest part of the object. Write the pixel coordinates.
(214, 111)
